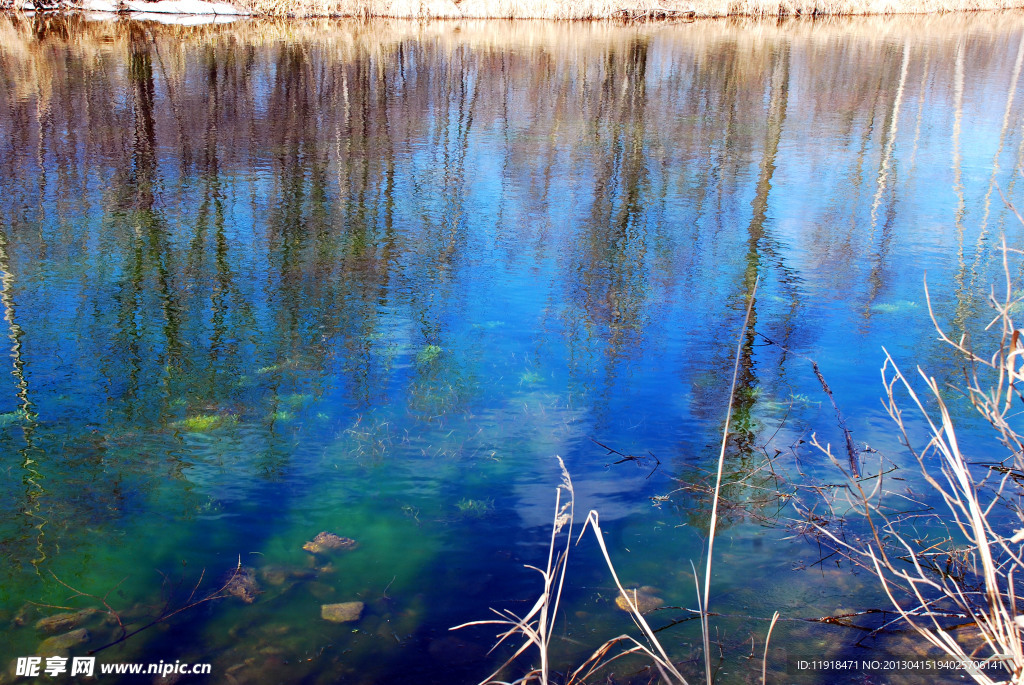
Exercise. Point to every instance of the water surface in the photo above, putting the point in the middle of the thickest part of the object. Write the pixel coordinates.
(262, 280)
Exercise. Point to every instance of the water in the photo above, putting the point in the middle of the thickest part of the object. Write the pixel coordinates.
(262, 280)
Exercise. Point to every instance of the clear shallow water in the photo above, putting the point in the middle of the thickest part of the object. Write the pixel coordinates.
(263, 280)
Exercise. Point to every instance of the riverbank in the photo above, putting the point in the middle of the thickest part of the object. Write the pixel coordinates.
(529, 9)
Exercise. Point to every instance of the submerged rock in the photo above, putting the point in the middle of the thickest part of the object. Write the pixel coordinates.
(24, 614)
(329, 542)
(63, 622)
(274, 576)
(279, 575)
(320, 590)
(243, 585)
(60, 644)
(644, 601)
(342, 613)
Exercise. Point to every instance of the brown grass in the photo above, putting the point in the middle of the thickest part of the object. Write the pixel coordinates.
(606, 9)
(592, 9)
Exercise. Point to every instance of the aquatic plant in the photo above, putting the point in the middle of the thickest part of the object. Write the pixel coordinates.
(428, 354)
(899, 307)
(13, 417)
(204, 423)
(530, 378)
(475, 508)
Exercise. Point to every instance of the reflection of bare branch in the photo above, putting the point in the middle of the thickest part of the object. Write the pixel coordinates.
(851, 449)
(637, 458)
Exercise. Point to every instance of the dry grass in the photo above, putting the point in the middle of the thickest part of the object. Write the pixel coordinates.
(536, 627)
(970, 579)
(26, 41)
(606, 9)
(589, 9)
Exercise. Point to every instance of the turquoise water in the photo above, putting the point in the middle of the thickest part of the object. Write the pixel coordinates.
(263, 280)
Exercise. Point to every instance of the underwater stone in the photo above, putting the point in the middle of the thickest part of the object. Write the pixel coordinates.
(24, 614)
(63, 622)
(342, 613)
(278, 575)
(320, 590)
(329, 542)
(242, 584)
(61, 643)
(274, 576)
(645, 602)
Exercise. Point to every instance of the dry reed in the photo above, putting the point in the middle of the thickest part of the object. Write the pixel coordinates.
(588, 9)
(718, 490)
(608, 9)
(982, 590)
(537, 625)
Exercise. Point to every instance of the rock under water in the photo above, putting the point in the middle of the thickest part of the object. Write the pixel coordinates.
(645, 601)
(58, 645)
(329, 542)
(63, 622)
(344, 612)
(243, 585)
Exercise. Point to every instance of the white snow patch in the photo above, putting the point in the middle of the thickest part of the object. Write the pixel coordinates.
(99, 6)
(183, 19)
(183, 7)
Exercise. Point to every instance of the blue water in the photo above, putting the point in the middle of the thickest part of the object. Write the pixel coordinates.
(264, 280)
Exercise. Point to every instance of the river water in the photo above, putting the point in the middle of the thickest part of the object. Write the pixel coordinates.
(262, 280)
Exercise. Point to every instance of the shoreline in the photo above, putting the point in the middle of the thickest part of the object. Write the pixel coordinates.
(509, 9)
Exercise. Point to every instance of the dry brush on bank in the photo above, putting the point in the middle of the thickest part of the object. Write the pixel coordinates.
(572, 9)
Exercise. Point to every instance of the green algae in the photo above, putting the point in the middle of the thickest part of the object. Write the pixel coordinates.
(204, 423)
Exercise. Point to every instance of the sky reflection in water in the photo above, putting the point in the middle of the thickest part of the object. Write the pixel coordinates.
(267, 279)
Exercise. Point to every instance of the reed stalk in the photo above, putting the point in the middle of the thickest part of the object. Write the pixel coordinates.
(982, 508)
(713, 525)
(579, 9)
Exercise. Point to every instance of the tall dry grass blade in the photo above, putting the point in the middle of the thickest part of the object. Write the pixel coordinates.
(767, 640)
(718, 488)
(654, 650)
(537, 626)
